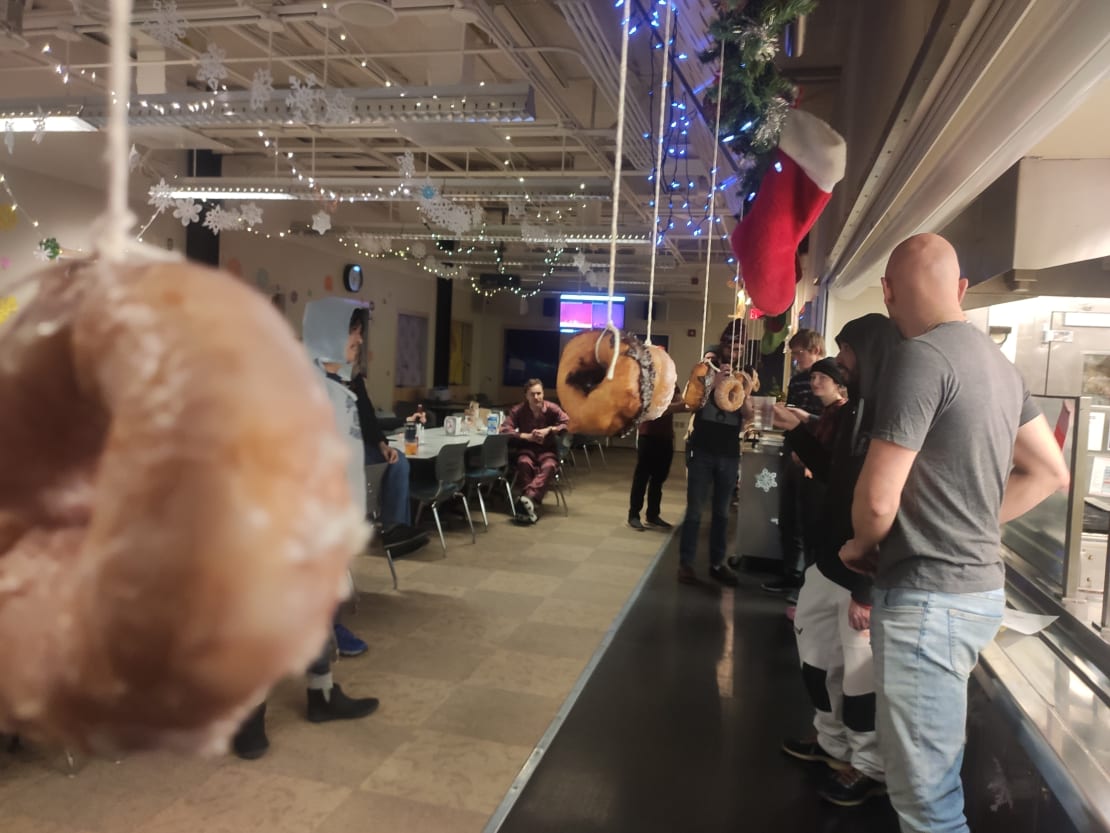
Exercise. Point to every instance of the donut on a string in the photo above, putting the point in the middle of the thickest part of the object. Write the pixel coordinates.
(175, 517)
(608, 383)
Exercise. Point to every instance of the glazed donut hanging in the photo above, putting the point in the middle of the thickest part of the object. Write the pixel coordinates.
(607, 382)
(175, 516)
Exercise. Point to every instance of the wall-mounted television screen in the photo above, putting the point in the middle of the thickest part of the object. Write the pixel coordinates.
(589, 312)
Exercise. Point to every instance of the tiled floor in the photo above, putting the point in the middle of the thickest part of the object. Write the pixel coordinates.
(471, 660)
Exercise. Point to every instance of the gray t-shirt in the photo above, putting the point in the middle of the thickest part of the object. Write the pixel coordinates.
(951, 396)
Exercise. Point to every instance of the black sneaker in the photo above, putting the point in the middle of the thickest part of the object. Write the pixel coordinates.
(659, 522)
(850, 788)
(781, 585)
(634, 522)
(686, 574)
(250, 742)
(338, 706)
(724, 574)
(808, 749)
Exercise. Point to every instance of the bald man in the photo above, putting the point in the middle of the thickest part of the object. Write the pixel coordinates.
(956, 449)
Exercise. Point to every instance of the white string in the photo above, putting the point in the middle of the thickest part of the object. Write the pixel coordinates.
(659, 164)
(713, 197)
(617, 162)
(118, 219)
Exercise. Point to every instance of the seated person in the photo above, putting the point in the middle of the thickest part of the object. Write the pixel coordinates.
(537, 424)
(397, 533)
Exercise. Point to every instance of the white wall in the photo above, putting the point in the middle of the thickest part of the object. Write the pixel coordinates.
(304, 271)
(841, 310)
(67, 212)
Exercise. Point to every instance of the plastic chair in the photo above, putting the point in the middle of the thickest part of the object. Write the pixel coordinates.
(450, 482)
(374, 474)
(492, 468)
(584, 442)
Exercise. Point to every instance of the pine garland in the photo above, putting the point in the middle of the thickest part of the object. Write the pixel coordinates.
(756, 96)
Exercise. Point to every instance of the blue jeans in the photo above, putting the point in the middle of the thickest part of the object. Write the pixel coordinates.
(396, 508)
(925, 646)
(705, 471)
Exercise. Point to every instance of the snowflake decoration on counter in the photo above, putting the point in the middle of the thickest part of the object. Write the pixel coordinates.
(40, 126)
(186, 211)
(166, 26)
(9, 137)
(339, 109)
(160, 196)
(262, 88)
(304, 100)
(250, 214)
(220, 219)
(212, 69)
(321, 222)
(767, 480)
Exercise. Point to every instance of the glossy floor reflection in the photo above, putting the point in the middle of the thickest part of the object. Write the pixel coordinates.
(679, 727)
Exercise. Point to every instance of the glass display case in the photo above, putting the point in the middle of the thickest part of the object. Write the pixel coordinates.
(1061, 545)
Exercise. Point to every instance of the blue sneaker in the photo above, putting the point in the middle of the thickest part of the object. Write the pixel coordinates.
(349, 644)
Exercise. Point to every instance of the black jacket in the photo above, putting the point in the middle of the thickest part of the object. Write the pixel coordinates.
(871, 338)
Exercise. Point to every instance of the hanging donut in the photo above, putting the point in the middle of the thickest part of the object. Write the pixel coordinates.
(730, 390)
(175, 519)
(698, 386)
(641, 388)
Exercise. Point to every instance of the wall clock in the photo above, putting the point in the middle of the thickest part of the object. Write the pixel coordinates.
(352, 277)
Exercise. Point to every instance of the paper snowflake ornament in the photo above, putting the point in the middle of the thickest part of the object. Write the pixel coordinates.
(186, 211)
(547, 235)
(304, 100)
(133, 159)
(160, 196)
(766, 480)
(40, 126)
(212, 70)
(580, 263)
(250, 214)
(339, 109)
(407, 165)
(262, 88)
(9, 137)
(220, 219)
(428, 191)
(516, 210)
(321, 222)
(166, 26)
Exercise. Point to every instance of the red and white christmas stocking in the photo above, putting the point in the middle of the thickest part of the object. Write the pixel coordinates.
(808, 163)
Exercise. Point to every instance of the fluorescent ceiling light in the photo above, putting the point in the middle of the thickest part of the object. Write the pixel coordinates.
(53, 124)
(227, 194)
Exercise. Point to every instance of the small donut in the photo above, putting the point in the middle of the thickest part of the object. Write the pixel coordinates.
(175, 518)
(696, 393)
(641, 389)
(729, 391)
